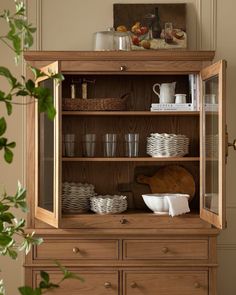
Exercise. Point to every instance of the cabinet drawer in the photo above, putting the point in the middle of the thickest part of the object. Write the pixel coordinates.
(77, 249)
(165, 249)
(130, 66)
(166, 283)
(99, 283)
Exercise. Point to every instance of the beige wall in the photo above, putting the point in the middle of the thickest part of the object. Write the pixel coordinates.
(12, 271)
(69, 25)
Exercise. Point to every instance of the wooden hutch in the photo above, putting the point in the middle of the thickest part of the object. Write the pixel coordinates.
(135, 252)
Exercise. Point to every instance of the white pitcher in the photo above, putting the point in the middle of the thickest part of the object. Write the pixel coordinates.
(167, 92)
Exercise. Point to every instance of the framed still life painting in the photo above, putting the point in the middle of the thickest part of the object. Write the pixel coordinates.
(152, 26)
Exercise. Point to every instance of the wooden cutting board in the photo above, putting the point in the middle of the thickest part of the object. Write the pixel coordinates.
(170, 179)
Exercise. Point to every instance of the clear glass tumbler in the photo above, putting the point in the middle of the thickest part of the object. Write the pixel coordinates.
(69, 145)
(89, 144)
(110, 143)
(131, 144)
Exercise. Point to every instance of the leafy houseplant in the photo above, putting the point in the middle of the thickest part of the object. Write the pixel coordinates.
(13, 237)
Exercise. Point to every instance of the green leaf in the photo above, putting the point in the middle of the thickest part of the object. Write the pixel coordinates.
(28, 39)
(3, 126)
(9, 108)
(37, 73)
(5, 240)
(51, 112)
(30, 85)
(12, 253)
(11, 144)
(29, 291)
(7, 217)
(45, 276)
(3, 142)
(7, 74)
(22, 93)
(8, 155)
(3, 207)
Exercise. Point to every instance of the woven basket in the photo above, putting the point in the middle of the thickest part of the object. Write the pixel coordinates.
(108, 204)
(95, 104)
(76, 197)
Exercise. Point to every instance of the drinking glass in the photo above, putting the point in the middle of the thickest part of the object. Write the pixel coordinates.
(69, 145)
(110, 141)
(131, 144)
(89, 144)
(168, 32)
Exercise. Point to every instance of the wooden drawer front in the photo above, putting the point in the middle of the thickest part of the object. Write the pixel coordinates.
(130, 66)
(77, 249)
(99, 283)
(167, 283)
(165, 249)
(133, 220)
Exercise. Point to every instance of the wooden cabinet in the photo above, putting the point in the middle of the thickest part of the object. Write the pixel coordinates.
(137, 251)
(166, 283)
(94, 283)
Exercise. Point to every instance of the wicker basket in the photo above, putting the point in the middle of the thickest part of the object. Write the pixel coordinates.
(76, 197)
(108, 204)
(95, 104)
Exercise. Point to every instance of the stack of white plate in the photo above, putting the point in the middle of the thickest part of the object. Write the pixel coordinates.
(108, 204)
(212, 145)
(167, 145)
(76, 197)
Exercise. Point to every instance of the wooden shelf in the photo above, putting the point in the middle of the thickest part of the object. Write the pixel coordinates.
(126, 159)
(129, 113)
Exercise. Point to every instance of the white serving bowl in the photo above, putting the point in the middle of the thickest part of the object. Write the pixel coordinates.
(158, 203)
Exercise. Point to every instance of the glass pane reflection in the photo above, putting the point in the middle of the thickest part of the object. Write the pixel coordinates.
(46, 156)
(211, 144)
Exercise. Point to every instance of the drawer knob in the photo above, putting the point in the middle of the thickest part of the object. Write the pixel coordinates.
(107, 285)
(123, 221)
(133, 285)
(197, 285)
(75, 250)
(123, 68)
(165, 250)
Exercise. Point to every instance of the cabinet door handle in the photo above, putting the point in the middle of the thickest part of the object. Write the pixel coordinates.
(197, 285)
(133, 285)
(165, 250)
(123, 68)
(107, 285)
(123, 221)
(233, 144)
(75, 250)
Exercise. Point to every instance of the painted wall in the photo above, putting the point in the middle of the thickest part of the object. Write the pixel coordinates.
(69, 25)
(11, 271)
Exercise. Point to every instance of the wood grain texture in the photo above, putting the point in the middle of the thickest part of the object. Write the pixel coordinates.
(165, 249)
(94, 283)
(162, 55)
(166, 283)
(170, 179)
(77, 250)
(133, 220)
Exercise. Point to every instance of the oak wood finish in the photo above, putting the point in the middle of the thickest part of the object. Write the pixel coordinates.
(219, 220)
(77, 250)
(163, 55)
(166, 283)
(101, 283)
(136, 252)
(165, 249)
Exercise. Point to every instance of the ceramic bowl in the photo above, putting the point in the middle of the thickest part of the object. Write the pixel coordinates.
(158, 203)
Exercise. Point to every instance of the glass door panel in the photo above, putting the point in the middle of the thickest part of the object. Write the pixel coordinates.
(213, 145)
(47, 156)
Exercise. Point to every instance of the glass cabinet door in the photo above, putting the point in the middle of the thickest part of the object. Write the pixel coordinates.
(213, 153)
(47, 156)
